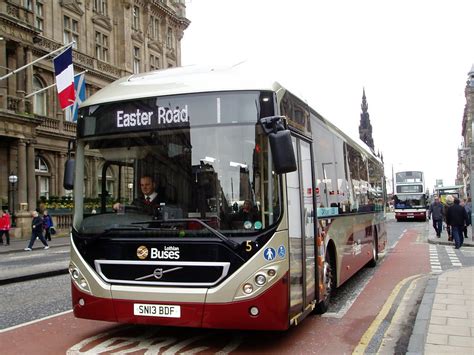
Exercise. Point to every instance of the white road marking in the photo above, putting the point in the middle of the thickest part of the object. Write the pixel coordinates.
(34, 321)
(434, 260)
(452, 256)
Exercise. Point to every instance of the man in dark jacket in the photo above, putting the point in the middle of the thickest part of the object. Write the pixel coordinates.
(456, 217)
(436, 212)
(36, 231)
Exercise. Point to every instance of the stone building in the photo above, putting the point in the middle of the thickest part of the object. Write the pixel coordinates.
(465, 153)
(112, 39)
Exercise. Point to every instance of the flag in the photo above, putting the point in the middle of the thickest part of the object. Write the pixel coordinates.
(80, 87)
(64, 73)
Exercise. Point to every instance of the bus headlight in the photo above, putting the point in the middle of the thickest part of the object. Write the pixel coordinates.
(78, 279)
(248, 288)
(271, 272)
(260, 280)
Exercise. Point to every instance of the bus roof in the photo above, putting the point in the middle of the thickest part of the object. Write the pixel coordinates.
(199, 79)
(181, 80)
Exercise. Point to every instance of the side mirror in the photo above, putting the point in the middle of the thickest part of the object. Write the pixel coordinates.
(279, 136)
(68, 180)
(282, 152)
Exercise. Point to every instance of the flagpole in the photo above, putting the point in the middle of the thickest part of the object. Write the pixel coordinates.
(37, 60)
(50, 86)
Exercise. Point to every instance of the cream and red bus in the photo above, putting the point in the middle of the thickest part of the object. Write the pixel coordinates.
(210, 139)
(410, 199)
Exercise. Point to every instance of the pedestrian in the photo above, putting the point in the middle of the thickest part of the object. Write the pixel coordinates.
(47, 224)
(36, 231)
(456, 217)
(436, 212)
(4, 227)
(449, 203)
(466, 203)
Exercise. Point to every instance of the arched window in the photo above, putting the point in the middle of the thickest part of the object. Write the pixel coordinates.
(42, 174)
(39, 101)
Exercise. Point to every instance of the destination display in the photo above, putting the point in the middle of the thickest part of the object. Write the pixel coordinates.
(168, 112)
(132, 116)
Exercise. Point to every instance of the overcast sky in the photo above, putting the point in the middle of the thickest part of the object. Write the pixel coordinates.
(411, 56)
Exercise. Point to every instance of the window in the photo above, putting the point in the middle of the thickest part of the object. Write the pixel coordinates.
(28, 4)
(101, 46)
(169, 38)
(71, 31)
(39, 15)
(154, 62)
(40, 165)
(154, 29)
(39, 101)
(100, 6)
(41, 168)
(136, 18)
(136, 60)
(44, 186)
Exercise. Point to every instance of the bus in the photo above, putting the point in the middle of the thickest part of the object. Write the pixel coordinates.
(410, 199)
(213, 140)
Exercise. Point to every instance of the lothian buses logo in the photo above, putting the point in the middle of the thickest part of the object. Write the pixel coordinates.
(142, 252)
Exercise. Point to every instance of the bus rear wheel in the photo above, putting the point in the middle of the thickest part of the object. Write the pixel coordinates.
(375, 254)
(329, 281)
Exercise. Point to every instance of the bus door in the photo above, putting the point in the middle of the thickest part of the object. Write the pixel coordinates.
(301, 229)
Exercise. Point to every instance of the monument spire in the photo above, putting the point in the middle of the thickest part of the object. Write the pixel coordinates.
(365, 128)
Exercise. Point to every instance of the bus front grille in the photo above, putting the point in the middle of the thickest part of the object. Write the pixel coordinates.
(162, 273)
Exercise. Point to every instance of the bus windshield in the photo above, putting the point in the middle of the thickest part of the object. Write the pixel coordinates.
(204, 176)
(410, 201)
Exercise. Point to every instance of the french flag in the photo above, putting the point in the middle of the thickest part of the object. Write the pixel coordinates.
(64, 73)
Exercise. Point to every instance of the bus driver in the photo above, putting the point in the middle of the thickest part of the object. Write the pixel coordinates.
(148, 202)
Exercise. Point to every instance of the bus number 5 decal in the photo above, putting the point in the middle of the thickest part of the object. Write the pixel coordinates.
(248, 245)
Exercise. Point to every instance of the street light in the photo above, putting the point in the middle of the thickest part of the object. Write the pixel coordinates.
(13, 180)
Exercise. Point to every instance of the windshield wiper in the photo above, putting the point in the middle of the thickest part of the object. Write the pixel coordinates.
(229, 242)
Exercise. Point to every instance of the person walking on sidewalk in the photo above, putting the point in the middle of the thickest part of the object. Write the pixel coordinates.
(436, 212)
(456, 217)
(36, 231)
(4, 227)
(47, 224)
(449, 203)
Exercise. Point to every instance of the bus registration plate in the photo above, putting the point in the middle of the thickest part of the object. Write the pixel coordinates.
(156, 310)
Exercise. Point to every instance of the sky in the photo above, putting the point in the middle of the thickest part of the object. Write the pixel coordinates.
(411, 56)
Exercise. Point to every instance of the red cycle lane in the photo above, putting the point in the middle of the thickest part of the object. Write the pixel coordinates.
(59, 334)
(340, 336)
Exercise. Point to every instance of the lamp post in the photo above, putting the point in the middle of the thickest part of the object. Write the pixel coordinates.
(13, 180)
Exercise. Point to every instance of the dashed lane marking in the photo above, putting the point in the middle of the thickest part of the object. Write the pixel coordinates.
(452, 256)
(434, 260)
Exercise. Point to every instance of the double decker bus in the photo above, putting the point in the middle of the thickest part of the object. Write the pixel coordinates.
(410, 199)
(214, 140)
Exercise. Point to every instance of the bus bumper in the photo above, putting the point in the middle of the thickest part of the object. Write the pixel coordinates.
(411, 216)
(272, 308)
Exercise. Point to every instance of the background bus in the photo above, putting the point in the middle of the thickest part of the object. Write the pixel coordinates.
(410, 199)
(209, 139)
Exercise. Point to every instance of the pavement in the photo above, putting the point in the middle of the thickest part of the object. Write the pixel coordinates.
(18, 265)
(444, 321)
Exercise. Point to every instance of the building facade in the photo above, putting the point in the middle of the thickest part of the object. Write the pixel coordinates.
(465, 153)
(112, 39)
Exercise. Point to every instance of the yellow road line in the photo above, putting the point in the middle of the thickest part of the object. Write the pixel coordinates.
(370, 332)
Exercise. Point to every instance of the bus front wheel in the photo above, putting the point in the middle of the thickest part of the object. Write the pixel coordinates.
(329, 274)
